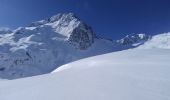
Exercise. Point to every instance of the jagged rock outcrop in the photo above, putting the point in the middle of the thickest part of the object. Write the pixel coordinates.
(134, 38)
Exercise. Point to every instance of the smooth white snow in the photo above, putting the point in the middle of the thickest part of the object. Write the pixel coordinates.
(127, 75)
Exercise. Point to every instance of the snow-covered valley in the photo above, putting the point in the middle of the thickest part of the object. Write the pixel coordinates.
(136, 74)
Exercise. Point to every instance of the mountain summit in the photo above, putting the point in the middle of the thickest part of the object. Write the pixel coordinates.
(45, 45)
(71, 28)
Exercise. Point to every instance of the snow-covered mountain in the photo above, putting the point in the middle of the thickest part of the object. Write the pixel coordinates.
(126, 75)
(45, 45)
(134, 39)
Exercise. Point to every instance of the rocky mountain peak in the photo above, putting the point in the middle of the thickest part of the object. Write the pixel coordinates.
(64, 17)
(70, 26)
(134, 38)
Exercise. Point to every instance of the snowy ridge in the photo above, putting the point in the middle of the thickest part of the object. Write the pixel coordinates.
(158, 41)
(4, 30)
(134, 39)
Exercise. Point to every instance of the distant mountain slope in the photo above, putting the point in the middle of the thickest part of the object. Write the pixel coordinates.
(47, 44)
(158, 41)
(126, 75)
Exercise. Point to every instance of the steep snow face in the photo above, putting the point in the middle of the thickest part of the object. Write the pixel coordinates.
(158, 41)
(126, 75)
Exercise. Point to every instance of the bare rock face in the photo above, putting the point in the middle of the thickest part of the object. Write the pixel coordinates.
(82, 37)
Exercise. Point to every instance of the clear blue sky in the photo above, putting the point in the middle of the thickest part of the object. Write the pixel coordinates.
(109, 18)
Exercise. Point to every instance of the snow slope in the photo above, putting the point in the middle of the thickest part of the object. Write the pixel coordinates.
(126, 75)
(158, 41)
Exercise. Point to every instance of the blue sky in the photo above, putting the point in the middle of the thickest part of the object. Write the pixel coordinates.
(109, 18)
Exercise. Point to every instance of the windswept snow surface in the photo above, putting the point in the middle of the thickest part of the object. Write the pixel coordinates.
(126, 75)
